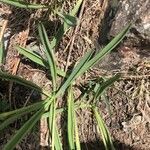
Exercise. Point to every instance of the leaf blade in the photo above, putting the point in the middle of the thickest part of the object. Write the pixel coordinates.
(64, 27)
(104, 131)
(1, 52)
(86, 63)
(78, 147)
(21, 81)
(56, 143)
(49, 53)
(23, 4)
(26, 109)
(107, 49)
(75, 73)
(105, 85)
(52, 124)
(71, 126)
(37, 59)
(23, 130)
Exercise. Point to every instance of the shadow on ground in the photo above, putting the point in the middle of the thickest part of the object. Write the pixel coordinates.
(96, 145)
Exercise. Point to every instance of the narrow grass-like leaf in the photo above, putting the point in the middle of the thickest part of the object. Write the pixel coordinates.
(64, 27)
(26, 110)
(73, 13)
(38, 59)
(50, 117)
(24, 130)
(52, 123)
(104, 131)
(32, 56)
(27, 126)
(11, 116)
(64, 109)
(76, 8)
(21, 81)
(23, 4)
(75, 72)
(71, 125)
(56, 143)
(12, 119)
(105, 85)
(87, 63)
(106, 49)
(49, 53)
(78, 147)
(58, 36)
(1, 52)
(68, 19)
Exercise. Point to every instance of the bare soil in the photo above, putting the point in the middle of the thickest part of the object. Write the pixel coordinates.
(129, 98)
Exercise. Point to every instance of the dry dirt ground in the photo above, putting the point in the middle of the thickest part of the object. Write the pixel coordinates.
(129, 122)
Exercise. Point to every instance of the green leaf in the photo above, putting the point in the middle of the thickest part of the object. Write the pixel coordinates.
(52, 123)
(32, 56)
(56, 143)
(76, 8)
(105, 85)
(64, 27)
(37, 59)
(64, 109)
(1, 52)
(11, 116)
(87, 63)
(68, 19)
(21, 81)
(73, 13)
(106, 49)
(75, 72)
(104, 131)
(12, 119)
(71, 125)
(58, 36)
(78, 147)
(25, 110)
(28, 125)
(24, 130)
(22, 4)
(49, 53)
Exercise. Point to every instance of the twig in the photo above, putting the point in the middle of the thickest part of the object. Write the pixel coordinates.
(28, 98)
(74, 35)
